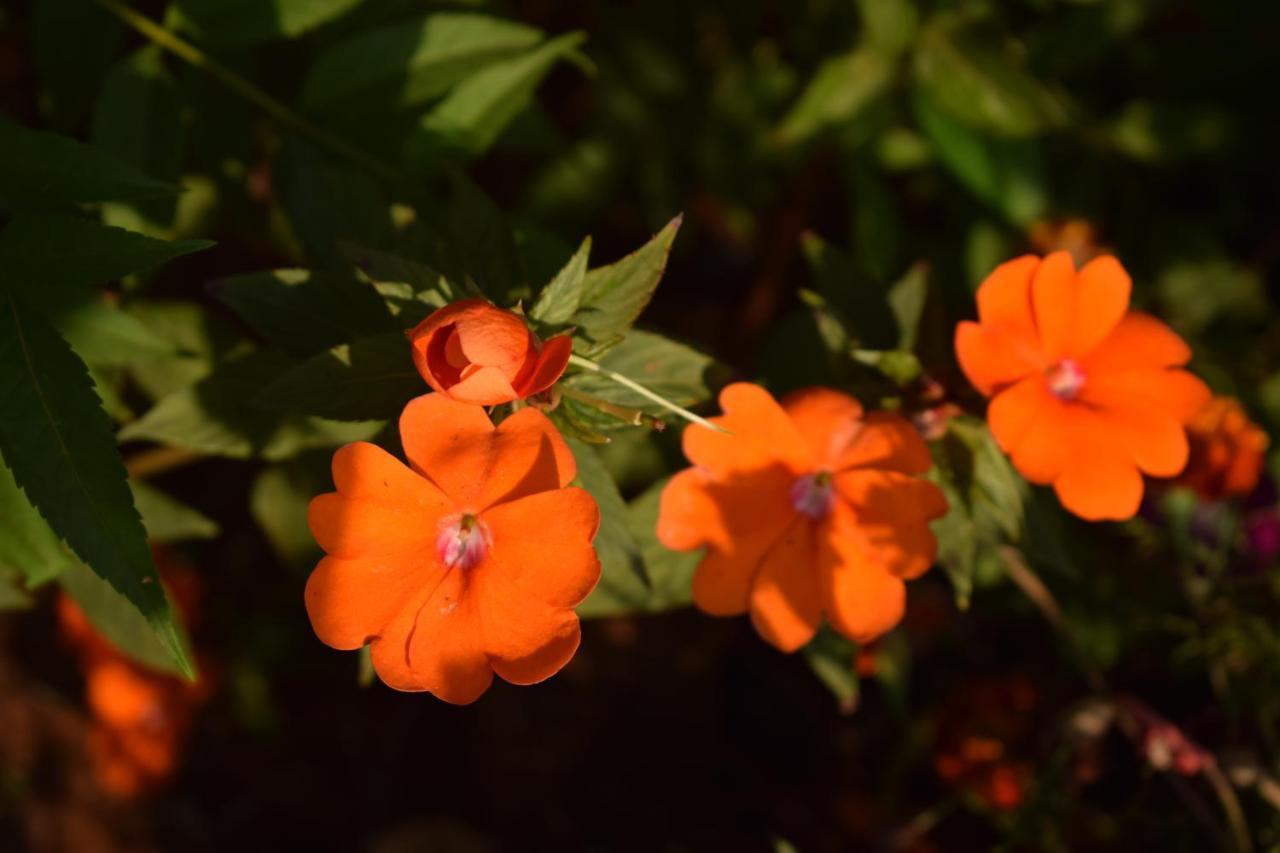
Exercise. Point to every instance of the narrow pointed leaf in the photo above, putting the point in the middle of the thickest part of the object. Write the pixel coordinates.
(613, 296)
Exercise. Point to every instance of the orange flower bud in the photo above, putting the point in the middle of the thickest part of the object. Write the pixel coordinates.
(474, 352)
(1227, 451)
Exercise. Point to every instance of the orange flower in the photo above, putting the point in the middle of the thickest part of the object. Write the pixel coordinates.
(1086, 394)
(466, 564)
(1227, 451)
(478, 353)
(806, 508)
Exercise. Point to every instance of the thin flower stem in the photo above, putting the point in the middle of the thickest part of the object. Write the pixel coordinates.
(635, 417)
(588, 364)
(166, 39)
(158, 460)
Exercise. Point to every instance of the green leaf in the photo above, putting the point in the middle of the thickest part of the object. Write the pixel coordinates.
(410, 290)
(329, 201)
(890, 25)
(618, 550)
(979, 79)
(245, 22)
(613, 296)
(472, 117)
(411, 62)
(862, 303)
(168, 519)
(831, 657)
(303, 312)
(102, 334)
(216, 416)
(669, 573)
(57, 441)
(44, 254)
(28, 547)
(199, 338)
(985, 499)
(674, 371)
(279, 500)
(837, 94)
(138, 119)
(368, 379)
(907, 298)
(12, 595)
(117, 619)
(559, 300)
(73, 44)
(1007, 174)
(39, 169)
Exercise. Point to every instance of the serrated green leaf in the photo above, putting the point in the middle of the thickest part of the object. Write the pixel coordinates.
(245, 22)
(43, 255)
(673, 370)
(138, 119)
(42, 170)
(28, 547)
(560, 299)
(1007, 174)
(119, 621)
(613, 296)
(57, 441)
(368, 379)
(304, 312)
(669, 573)
(618, 549)
(410, 290)
(216, 416)
(472, 117)
(166, 518)
(102, 334)
(410, 62)
(837, 94)
(977, 79)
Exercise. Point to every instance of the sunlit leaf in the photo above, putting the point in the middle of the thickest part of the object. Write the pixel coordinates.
(613, 296)
(166, 518)
(243, 22)
(559, 300)
(837, 94)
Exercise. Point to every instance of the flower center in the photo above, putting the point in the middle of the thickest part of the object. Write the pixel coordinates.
(813, 494)
(1065, 379)
(464, 541)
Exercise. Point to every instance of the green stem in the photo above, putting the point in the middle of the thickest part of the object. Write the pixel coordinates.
(188, 52)
(635, 417)
(588, 364)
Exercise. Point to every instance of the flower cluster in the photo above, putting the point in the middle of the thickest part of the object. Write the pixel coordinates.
(141, 718)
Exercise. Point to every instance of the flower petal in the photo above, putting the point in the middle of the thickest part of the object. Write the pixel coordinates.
(550, 365)
(890, 519)
(993, 359)
(455, 446)
(542, 547)
(526, 639)
(1176, 393)
(1053, 298)
(828, 421)
(861, 599)
(355, 527)
(1102, 481)
(889, 442)
(760, 434)
(1138, 341)
(1031, 425)
(1004, 298)
(493, 337)
(1102, 298)
(351, 601)
(482, 386)
(786, 601)
(1154, 436)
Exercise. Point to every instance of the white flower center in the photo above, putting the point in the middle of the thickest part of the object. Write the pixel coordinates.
(464, 541)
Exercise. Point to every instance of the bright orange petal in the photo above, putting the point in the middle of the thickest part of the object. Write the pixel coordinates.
(890, 519)
(1031, 425)
(552, 360)
(351, 601)
(363, 470)
(526, 640)
(492, 337)
(1101, 482)
(1175, 393)
(1053, 297)
(888, 442)
(1004, 298)
(993, 359)
(1139, 341)
(355, 527)
(828, 421)
(1156, 440)
(542, 548)
(483, 386)
(1102, 298)
(456, 447)
(861, 599)
(760, 434)
(687, 516)
(786, 600)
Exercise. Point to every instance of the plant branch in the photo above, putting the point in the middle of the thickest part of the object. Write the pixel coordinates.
(588, 364)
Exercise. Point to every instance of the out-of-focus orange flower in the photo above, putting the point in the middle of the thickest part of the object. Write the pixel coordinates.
(476, 352)
(1227, 451)
(141, 717)
(982, 725)
(1086, 395)
(466, 564)
(1076, 236)
(805, 509)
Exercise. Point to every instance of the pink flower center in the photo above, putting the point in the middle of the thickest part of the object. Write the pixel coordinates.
(813, 494)
(1065, 379)
(464, 541)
